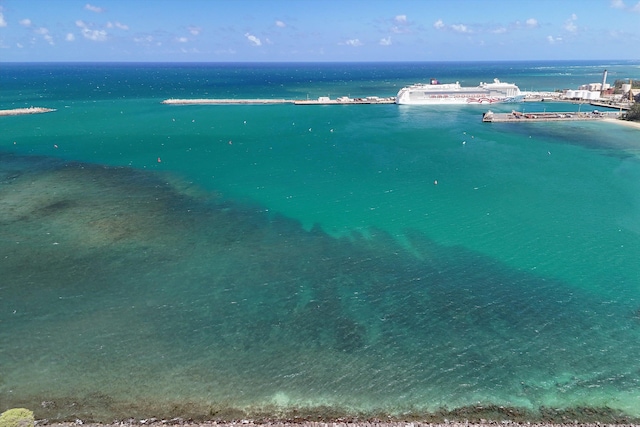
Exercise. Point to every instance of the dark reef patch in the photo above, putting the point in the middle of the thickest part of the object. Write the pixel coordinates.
(137, 279)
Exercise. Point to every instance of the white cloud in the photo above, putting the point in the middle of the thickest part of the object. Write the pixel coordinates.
(438, 25)
(194, 30)
(44, 32)
(143, 40)
(90, 34)
(461, 28)
(385, 41)
(93, 8)
(253, 39)
(531, 22)
(280, 24)
(182, 39)
(553, 40)
(402, 24)
(617, 4)
(636, 8)
(25, 22)
(117, 25)
(70, 37)
(499, 30)
(225, 52)
(570, 24)
(3, 23)
(401, 19)
(353, 42)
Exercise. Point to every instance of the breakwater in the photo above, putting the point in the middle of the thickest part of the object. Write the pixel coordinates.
(21, 111)
(319, 101)
(225, 101)
(520, 117)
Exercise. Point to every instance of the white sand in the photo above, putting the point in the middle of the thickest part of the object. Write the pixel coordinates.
(624, 123)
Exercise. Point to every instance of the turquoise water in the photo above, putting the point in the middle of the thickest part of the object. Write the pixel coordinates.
(218, 261)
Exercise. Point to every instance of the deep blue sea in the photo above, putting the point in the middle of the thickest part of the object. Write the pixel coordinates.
(231, 261)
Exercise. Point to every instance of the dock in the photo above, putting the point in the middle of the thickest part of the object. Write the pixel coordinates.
(22, 111)
(323, 100)
(347, 101)
(213, 101)
(519, 117)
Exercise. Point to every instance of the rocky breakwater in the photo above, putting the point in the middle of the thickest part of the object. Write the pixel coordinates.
(22, 111)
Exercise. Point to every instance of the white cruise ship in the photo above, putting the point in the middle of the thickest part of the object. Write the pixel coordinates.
(452, 93)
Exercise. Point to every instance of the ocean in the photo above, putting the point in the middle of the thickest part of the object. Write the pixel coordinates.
(314, 262)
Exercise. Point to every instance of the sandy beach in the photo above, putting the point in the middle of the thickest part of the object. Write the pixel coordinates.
(624, 123)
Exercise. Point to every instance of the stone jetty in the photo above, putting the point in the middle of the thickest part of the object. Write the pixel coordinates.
(21, 111)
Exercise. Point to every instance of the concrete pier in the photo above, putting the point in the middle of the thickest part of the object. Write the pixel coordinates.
(558, 116)
(21, 111)
(225, 101)
(319, 101)
(346, 101)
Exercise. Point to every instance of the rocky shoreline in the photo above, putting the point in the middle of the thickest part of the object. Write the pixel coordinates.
(249, 423)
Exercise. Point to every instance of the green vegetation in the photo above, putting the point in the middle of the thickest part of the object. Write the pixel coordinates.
(617, 85)
(17, 417)
(635, 84)
(632, 115)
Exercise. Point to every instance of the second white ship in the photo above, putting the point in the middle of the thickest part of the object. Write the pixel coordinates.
(436, 93)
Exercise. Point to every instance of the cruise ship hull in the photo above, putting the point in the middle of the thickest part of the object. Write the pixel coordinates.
(454, 94)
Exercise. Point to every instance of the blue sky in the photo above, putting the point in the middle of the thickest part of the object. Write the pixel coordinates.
(318, 30)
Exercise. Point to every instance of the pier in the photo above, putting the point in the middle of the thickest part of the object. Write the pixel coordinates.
(22, 111)
(346, 101)
(225, 101)
(519, 117)
(323, 100)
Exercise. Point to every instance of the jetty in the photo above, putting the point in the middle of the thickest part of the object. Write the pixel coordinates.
(323, 100)
(345, 100)
(21, 111)
(212, 101)
(520, 117)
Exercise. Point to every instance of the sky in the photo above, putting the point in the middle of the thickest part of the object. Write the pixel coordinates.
(318, 30)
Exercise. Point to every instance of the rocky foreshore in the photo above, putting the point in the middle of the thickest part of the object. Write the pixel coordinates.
(248, 423)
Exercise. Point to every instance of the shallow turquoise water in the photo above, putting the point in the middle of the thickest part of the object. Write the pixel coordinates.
(184, 260)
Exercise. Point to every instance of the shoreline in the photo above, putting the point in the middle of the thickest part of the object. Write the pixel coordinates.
(479, 416)
(338, 423)
(627, 123)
